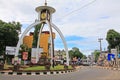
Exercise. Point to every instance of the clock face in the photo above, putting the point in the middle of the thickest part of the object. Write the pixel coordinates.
(43, 15)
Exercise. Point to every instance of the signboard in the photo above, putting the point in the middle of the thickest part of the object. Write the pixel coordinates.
(110, 57)
(33, 60)
(119, 55)
(35, 56)
(25, 55)
(34, 51)
(10, 50)
(114, 51)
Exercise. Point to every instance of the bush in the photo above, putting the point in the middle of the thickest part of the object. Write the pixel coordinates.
(47, 67)
(1, 66)
(65, 66)
(16, 67)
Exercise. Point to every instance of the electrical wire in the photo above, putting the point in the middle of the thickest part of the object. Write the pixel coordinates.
(72, 12)
(79, 8)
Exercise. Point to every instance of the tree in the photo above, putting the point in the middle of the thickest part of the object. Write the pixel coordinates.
(24, 48)
(29, 54)
(113, 39)
(75, 53)
(9, 34)
(96, 55)
(84, 57)
(35, 36)
(71, 54)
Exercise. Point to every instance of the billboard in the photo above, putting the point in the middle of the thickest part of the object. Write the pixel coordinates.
(10, 50)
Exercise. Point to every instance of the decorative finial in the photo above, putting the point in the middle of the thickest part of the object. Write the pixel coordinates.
(45, 2)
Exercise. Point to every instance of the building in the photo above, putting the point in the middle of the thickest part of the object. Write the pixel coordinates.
(102, 60)
(60, 56)
(44, 40)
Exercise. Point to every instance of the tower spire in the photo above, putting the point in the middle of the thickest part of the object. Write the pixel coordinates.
(45, 2)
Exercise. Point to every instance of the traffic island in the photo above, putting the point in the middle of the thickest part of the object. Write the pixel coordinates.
(40, 70)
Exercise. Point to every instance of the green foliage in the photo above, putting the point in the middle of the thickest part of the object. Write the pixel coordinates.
(96, 55)
(24, 48)
(9, 33)
(35, 36)
(113, 39)
(71, 53)
(84, 57)
(75, 53)
(29, 54)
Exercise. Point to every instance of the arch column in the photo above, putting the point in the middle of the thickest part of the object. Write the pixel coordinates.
(38, 42)
(63, 40)
(51, 38)
(21, 38)
(52, 43)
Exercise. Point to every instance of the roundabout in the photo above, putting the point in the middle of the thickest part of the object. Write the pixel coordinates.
(37, 73)
(38, 70)
(37, 57)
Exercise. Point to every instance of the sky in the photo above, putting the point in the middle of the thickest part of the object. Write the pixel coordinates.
(82, 22)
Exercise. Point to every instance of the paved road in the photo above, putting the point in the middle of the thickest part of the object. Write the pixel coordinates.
(83, 74)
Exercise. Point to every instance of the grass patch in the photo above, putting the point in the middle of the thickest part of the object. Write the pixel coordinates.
(7, 66)
(35, 68)
(59, 67)
(70, 67)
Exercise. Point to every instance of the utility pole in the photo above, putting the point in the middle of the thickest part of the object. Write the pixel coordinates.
(117, 56)
(99, 40)
(117, 52)
(100, 62)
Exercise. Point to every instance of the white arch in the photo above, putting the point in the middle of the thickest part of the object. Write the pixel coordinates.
(21, 38)
(64, 42)
(38, 43)
(51, 39)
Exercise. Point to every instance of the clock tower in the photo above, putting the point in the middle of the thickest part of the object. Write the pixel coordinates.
(44, 17)
(45, 12)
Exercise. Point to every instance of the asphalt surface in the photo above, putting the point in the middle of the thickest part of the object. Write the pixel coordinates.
(86, 73)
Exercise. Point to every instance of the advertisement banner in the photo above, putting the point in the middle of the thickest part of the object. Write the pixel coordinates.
(10, 50)
(25, 55)
(33, 60)
(114, 51)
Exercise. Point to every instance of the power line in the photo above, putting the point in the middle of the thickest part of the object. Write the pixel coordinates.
(64, 16)
(79, 8)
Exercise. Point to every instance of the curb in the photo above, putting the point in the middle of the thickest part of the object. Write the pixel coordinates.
(109, 68)
(36, 73)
